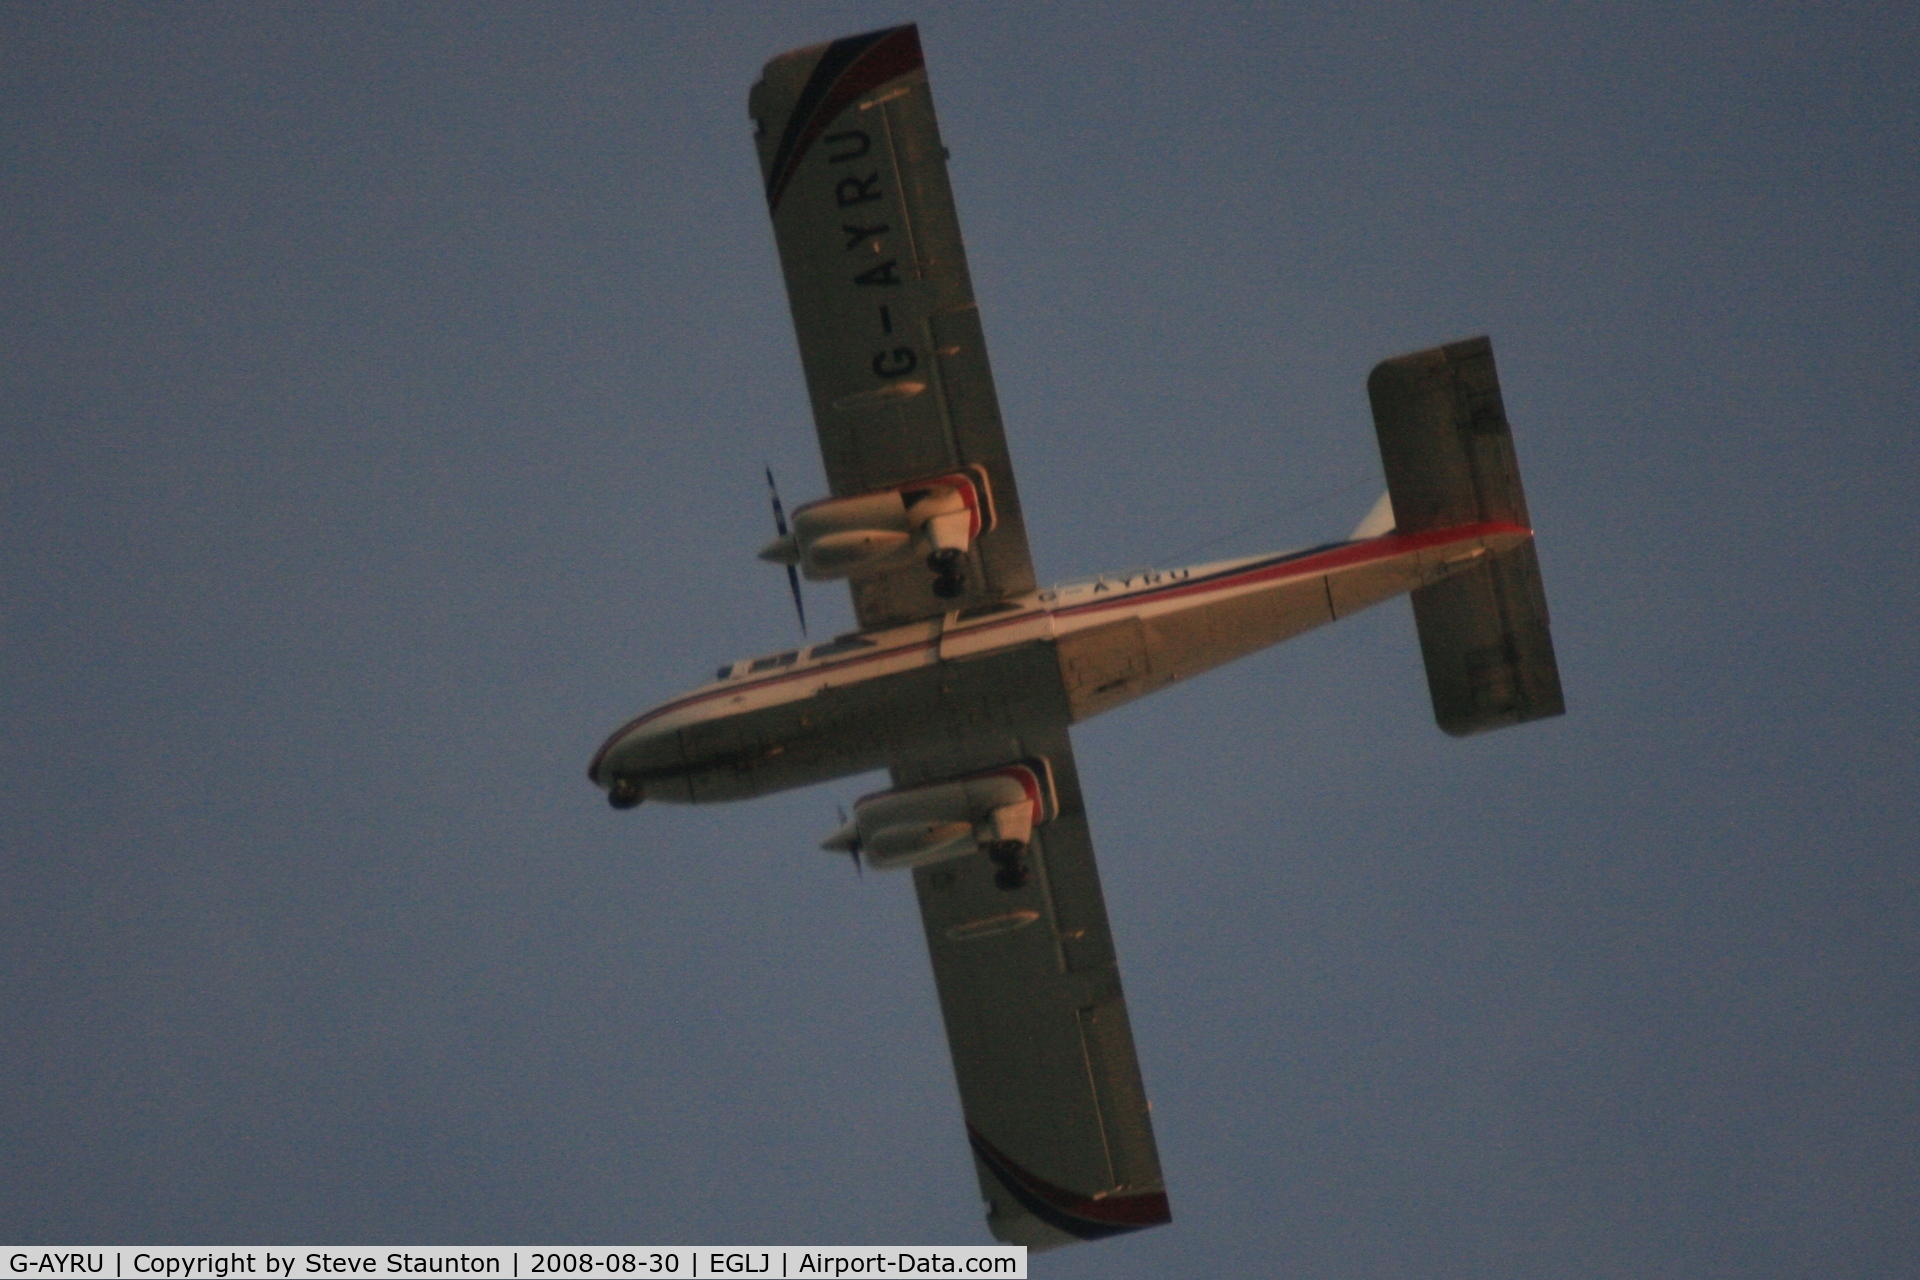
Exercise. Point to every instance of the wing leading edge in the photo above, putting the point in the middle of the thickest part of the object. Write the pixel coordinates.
(890, 338)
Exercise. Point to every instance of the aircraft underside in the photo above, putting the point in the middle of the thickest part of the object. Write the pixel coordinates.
(1085, 651)
(964, 677)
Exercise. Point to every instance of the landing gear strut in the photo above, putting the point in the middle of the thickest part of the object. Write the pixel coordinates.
(948, 581)
(1006, 855)
(625, 793)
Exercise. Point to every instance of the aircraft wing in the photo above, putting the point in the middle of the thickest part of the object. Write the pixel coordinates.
(896, 367)
(1030, 990)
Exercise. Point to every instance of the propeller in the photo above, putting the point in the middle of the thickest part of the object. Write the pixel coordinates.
(780, 527)
(846, 840)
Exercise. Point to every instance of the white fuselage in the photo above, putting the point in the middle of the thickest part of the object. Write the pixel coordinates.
(857, 703)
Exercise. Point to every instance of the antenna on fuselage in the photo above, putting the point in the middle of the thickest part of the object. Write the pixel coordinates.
(780, 527)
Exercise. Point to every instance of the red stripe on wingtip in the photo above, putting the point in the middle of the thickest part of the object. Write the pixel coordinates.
(1122, 1212)
(894, 55)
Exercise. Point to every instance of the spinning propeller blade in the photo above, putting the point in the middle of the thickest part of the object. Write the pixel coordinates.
(853, 850)
(780, 527)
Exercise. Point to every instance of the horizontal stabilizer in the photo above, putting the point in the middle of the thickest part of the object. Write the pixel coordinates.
(1448, 454)
(1444, 439)
(1489, 655)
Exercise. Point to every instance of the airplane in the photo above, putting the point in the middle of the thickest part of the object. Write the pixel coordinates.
(964, 675)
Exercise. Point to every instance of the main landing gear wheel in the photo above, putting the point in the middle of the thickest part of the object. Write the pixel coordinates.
(948, 581)
(1012, 873)
(625, 793)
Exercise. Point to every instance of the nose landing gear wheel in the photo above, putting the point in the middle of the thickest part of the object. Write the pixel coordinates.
(1012, 873)
(624, 794)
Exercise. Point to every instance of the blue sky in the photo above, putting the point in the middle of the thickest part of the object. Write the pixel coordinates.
(383, 397)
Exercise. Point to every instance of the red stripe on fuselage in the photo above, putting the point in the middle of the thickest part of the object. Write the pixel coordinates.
(1343, 556)
(1291, 565)
(593, 769)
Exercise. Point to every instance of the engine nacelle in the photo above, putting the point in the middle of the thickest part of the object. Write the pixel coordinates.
(914, 826)
(839, 537)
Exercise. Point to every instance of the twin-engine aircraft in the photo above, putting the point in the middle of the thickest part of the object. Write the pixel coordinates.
(963, 676)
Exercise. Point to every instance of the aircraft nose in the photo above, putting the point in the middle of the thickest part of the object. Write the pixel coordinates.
(642, 755)
(603, 769)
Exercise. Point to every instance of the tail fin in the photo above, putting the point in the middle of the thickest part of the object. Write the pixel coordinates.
(1448, 455)
(1377, 521)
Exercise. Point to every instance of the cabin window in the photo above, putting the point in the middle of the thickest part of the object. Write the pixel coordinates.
(840, 645)
(723, 672)
(776, 660)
